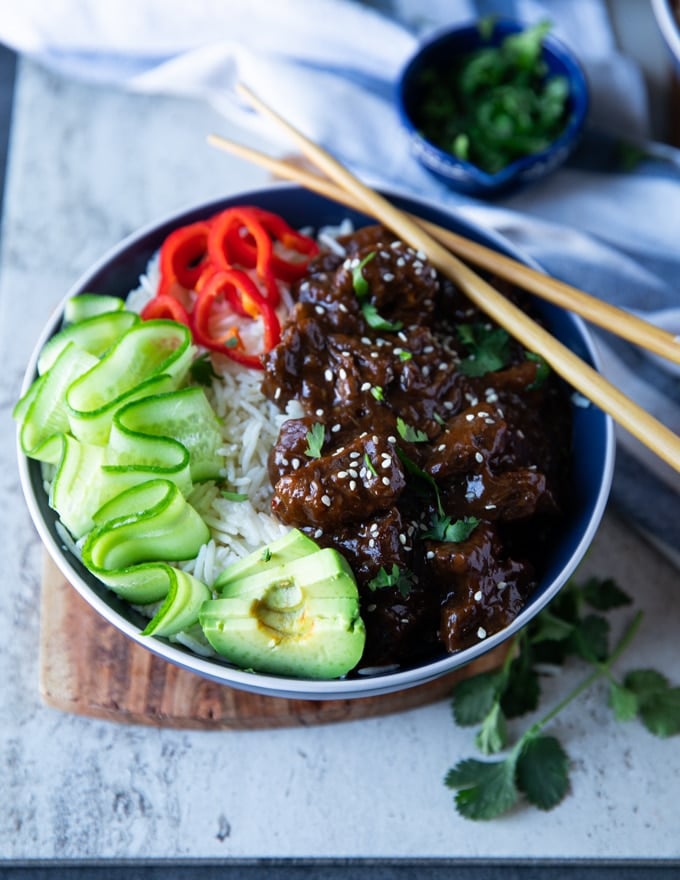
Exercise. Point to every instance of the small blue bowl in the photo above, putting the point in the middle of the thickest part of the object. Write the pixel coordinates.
(438, 53)
(669, 25)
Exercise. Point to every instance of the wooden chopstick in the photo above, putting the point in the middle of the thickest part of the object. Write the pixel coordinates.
(609, 317)
(648, 430)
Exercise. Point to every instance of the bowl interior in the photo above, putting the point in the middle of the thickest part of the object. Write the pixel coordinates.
(440, 52)
(119, 271)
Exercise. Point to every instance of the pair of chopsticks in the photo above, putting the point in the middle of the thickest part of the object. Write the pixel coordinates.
(441, 247)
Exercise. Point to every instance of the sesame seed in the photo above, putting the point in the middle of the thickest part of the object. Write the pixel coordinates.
(328, 375)
(352, 485)
(295, 463)
(319, 309)
(318, 533)
(491, 421)
(326, 500)
(319, 412)
(365, 386)
(355, 454)
(336, 428)
(387, 277)
(429, 554)
(391, 439)
(402, 538)
(478, 596)
(479, 457)
(343, 308)
(489, 507)
(482, 414)
(501, 585)
(441, 447)
(386, 481)
(481, 633)
(277, 394)
(342, 373)
(342, 475)
(470, 417)
(371, 542)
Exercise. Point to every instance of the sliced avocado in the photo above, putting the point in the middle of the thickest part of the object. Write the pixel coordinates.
(300, 618)
(292, 545)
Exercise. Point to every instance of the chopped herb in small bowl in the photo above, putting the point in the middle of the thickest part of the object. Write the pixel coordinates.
(493, 105)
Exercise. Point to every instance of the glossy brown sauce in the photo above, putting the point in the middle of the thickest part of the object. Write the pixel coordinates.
(409, 438)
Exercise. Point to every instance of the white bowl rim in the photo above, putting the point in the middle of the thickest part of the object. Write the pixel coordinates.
(270, 685)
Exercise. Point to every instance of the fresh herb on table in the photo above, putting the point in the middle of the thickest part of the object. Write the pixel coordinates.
(315, 438)
(536, 766)
(496, 104)
(488, 348)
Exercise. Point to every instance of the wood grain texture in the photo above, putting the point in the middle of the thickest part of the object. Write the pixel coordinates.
(87, 667)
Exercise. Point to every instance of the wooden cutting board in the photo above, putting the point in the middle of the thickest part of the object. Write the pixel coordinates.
(88, 667)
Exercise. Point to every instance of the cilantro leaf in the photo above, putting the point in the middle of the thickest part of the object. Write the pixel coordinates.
(493, 735)
(445, 531)
(486, 789)
(413, 470)
(315, 439)
(658, 702)
(590, 638)
(542, 370)
(623, 702)
(377, 392)
(376, 321)
(603, 594)
(542, 771)
(401, 578)
(550, 628)
(202, 370)
(359, 283)
(488, 347)
(522, 689)
(411, 435)
(473, 698)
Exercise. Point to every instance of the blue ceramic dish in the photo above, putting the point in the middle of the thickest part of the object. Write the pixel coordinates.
(438, 53)
(593, 456)
(669, 25)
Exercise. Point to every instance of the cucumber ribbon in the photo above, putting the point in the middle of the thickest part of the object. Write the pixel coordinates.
(126, 443)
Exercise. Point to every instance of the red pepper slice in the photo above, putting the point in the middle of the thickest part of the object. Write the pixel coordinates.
(183, 256)
(243, 247)
(240, 291)
(224, 233)
(163, 305)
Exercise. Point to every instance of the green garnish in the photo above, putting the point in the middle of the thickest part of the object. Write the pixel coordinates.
(488, 347)
(376, 321)
(359, 283)
(401, 578)
(542, 371)
(368, 310)
(412, 435)
(234, 496)
(536, 766)
(444, 530)
(496, 104)
(369, 465)
(438, 419)
(405, 355)
(202, 370)
(266, 554)
(315, 438)
(427, 480)
(377, 392)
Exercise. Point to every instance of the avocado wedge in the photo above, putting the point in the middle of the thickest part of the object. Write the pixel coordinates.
(299, 618)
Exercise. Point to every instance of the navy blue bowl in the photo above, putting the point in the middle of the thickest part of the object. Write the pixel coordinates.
(438, 53)
(669, 25)
(592, 455)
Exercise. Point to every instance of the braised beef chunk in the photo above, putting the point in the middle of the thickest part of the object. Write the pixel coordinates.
(423, 418)
(352, 483)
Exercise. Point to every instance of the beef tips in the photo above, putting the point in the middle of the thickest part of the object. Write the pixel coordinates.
(411, 440)
(351, 484)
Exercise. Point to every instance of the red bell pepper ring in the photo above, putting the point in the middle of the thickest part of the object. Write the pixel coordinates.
(244, 248)
(163, 305)
(225, 231)
(242, 294)
(183, 256)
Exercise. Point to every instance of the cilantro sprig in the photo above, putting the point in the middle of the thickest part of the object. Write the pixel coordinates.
(315, 439)
(368, 309)
(401, 578)
(445, 530)
(409, 433)
(536, 766)
(488, 348)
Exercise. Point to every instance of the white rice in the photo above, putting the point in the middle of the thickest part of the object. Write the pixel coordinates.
(250, 426)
